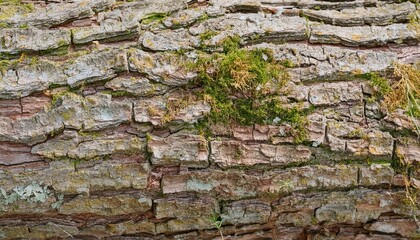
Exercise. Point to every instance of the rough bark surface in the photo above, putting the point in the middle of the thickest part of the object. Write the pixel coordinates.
(97, 134)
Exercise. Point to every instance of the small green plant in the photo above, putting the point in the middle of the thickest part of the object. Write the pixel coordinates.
(379, 83)
(414, 18)
(217, 221)
(11, 7)
(4, 25)
(9, 64)
(287, 63)
(207, 35)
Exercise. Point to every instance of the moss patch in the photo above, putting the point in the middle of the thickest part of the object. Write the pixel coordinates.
(380, 84)
(414, 18)
(8, 8)
(403, 91)
(235, 85)
(9, 64)
(207, 35)
(154, 17)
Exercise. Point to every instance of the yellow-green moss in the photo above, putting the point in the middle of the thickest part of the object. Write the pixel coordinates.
(4, 66)
(11, 7)
(8, 64)
(236, 90)
(153, 17)
(119, 93)
(414, 19)
(207, 35)
(379, 83)
(173, 107)
(4, 25)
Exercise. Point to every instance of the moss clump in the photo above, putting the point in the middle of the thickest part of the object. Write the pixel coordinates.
(205, 37)
(8, 8)
(153, 17)
(58, 98)
(60, 51)
(235, 85)
(379, 83)
(287, 63)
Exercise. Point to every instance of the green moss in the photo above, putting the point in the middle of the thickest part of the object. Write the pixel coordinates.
(238, 153)
(380, 161)
(54, 85)
(237, 92)
(286, 185)
(4, 25)
(153, 17)
(94, 135)
(62, 42)
(398, 165)
(380, 83)
(57, 98)
(68, 114)
(24, 26)
(203, 17)
(62, 50)
(148, 137)
(4, 66)
(358, 133)
(8, 64)
(415, 236)
(287, 63)
(174, 106)
(11, 7)
(207, 35)
(33, 61)
(404, 93)
(414, 19)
